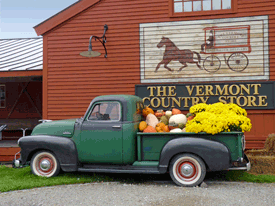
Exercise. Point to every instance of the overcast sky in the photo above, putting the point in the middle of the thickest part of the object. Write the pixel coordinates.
(18, 17)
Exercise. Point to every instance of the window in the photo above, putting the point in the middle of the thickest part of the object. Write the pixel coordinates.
(107, 111)
(201, 7)
(2, 96)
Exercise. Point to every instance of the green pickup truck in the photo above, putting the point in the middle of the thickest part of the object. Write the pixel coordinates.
(106, 139)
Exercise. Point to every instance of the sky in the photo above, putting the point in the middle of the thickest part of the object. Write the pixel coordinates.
(18, 17)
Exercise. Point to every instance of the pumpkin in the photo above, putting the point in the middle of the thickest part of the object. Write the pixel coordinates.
(168, 114)
(152, 120)
(178, 118)
(160, 127)
(176, 130)
(159, 113)
(142, 126)
(176, 111)
(166, 128)
(150, 129)
(147, 110)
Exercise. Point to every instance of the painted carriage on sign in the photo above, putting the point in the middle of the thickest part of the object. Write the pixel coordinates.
(232, 42)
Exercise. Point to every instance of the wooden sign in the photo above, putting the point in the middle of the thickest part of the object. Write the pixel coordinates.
(248, 95)
(205, 50)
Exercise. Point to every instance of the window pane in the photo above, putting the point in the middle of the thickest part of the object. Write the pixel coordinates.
(178, 7)
(226, 4)
(187, 6)
(206, 5)
(196, 5)
(106, 111)
(217, 4)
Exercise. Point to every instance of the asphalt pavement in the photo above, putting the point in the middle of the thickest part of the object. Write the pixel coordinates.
(146, 193)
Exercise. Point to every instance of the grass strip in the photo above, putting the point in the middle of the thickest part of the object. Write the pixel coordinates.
(19, 179)
(240, 176)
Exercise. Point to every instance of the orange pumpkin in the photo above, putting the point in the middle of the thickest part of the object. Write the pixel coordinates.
(159, 113)
(166, 129)
(176, 111)
(150, 129)
(147, 110)
(142, 126)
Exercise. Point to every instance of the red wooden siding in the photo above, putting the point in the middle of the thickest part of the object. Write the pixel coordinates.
(24, 108)
(71, 81)
(7, 153)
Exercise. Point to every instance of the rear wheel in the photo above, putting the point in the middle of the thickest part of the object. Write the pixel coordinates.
(187, 170)
(45, 164)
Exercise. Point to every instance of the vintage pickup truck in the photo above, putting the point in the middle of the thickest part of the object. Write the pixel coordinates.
(106, 139)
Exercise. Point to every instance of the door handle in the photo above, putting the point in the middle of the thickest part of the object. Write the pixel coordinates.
(116, 126)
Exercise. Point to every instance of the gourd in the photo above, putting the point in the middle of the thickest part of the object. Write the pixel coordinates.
(189, 114)
(176, 111)
(147, 110)
(173, 125)
(152, 120)
(160, 127)
(159, 113)
(164, 119)
(150, 129)
(142, 126)
(178, 118)
(190, 118)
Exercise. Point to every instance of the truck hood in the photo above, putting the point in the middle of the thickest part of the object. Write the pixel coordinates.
(61, 128)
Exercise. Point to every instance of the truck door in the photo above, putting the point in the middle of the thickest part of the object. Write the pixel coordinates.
(101, 134)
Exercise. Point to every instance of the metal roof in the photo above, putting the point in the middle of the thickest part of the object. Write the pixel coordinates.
(21, 54)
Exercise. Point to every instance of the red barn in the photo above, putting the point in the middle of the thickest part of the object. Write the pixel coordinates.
(172, 53)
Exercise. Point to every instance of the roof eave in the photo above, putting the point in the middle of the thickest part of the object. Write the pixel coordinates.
(63, 16)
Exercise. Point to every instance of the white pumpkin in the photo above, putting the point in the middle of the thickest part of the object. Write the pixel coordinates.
(168, 114)
(176, 130)
(152, 120)
(178, 118)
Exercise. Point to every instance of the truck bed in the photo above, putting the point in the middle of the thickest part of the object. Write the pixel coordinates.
(150, 145)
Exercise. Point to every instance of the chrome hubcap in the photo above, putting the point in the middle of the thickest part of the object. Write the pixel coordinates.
(187, 170)
(45, 165)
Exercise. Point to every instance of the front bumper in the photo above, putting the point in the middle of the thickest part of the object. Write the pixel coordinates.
(243, 166)
(16, 163)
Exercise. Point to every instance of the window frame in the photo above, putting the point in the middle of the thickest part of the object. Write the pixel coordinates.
(102, 102)
(234, 9)
(5, 99)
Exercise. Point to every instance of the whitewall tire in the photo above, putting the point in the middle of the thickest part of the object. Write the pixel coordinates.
(45, 164)
(187, 170)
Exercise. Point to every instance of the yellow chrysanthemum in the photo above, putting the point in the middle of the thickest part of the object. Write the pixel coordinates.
(218, 117)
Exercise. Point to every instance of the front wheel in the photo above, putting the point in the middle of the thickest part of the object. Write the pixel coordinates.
(187, 170)
(45, 164)
(212, 64)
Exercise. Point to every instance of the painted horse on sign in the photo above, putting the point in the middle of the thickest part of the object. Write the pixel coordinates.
(172, 52)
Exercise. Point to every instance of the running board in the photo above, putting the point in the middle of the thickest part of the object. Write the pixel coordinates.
(119, 169)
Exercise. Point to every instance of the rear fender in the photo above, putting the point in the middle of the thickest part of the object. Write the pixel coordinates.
(64, 149)
(215, 154)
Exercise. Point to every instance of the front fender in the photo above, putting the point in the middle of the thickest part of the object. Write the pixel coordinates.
(215, 154)
(64, 149)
